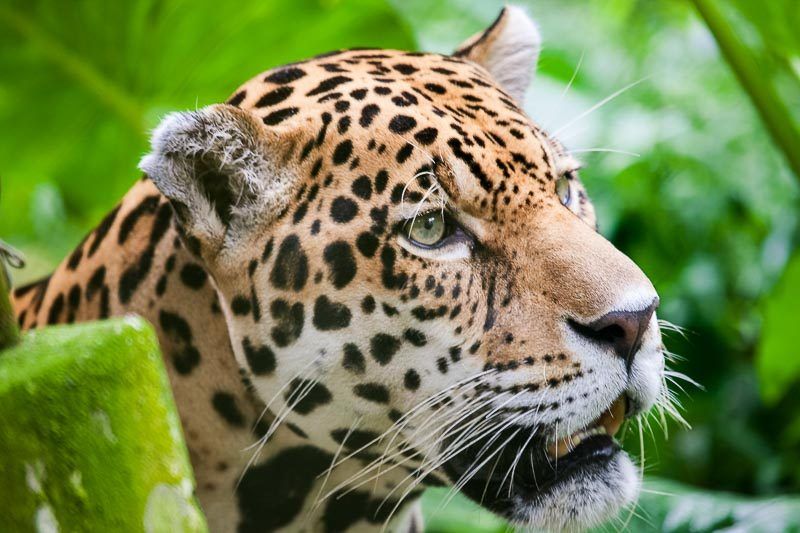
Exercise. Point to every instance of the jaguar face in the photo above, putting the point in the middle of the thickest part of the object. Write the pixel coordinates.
(412, 276)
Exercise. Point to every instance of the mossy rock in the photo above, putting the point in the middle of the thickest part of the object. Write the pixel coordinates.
(90, 439)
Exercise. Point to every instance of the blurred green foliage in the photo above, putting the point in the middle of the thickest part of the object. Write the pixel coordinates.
(697, 186)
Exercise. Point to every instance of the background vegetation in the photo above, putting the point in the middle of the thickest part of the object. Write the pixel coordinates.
(703, 192)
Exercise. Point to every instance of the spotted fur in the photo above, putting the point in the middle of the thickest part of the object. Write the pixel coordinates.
(266, 244)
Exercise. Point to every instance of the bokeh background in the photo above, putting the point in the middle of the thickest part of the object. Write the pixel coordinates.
(694, 169)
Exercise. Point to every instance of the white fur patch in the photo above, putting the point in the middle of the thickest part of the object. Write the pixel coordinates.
(226, 140)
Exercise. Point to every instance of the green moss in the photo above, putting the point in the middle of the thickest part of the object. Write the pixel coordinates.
(90, 436)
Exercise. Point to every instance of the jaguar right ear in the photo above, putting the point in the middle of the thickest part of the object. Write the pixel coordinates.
(223, 170)
(508, 49)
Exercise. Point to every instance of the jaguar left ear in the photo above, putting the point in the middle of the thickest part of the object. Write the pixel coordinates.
(508, 49)
(222, 170)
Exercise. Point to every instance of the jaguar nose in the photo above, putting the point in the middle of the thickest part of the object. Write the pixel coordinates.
(620, 330)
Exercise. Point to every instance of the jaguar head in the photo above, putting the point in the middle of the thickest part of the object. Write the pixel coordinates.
(411, 271)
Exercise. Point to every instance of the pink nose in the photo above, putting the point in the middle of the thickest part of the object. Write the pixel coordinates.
(620, 330)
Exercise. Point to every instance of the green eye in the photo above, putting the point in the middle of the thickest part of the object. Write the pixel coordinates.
(563, 190)
(427, 229)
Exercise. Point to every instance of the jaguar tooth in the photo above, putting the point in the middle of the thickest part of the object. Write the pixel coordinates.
(608, 423)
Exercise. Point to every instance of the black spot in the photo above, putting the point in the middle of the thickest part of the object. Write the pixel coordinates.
(225, 405)
(362, 187)
(342, 152)
(193, 275)
(105, 311)
(373, 392)
(426, 136)
(368, 114)
(102, 230)
(147, 206)
(344, 510)
(343, 210)
(455, 354)
(402, 123)
(367, 244)
(379, 218)
(355, 439)
(285, 75)
(330, 315)
(368, 304)
(133, 276)
(422, 313)
(291, 265)
(275, 96)
(382, 347)
(353, 359)
(288, 321)
(341, 263)
(55, 309)
(241, 305)
(296, 430)
(381, 179)
(343, 125)
(441, 364)
(73, 301)
(185, 356)
(237, 98)
(75, 258)
(276, 117)
(327, 85)
(435, 88)
(358, 94)
(415, 337)
(388, 276)
(272, 494)
(411, 380)
(473, 165)
(261, 359)
(300, 212)
(404, 153)
(96, 282)
(161, 285)
(403, 68)
(306, 395)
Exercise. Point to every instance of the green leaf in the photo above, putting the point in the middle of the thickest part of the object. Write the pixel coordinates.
(83, 81)
(778, 358)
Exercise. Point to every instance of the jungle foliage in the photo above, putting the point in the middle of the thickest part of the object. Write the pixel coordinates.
(694, 167)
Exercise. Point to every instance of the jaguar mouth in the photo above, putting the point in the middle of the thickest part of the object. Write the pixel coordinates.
(533, 467)
(595, 439)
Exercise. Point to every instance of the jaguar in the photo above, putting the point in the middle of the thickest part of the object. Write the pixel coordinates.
(370, 273)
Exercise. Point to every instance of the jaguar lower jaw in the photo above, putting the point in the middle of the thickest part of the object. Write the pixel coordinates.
(565, 484)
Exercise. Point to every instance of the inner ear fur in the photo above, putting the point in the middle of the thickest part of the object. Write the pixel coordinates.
(221, 169)
(508, 49)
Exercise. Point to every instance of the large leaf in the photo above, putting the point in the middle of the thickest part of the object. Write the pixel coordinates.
(779, 351)
(83, 81)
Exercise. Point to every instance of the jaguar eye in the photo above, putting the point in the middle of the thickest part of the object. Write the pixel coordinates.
(563, 190)
(428, 229)
(437, 235)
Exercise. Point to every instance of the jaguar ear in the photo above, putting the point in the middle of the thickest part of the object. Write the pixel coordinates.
(222, 170)
(508, 49)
